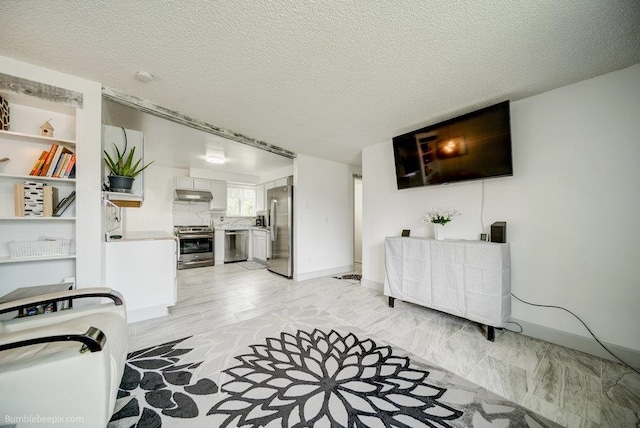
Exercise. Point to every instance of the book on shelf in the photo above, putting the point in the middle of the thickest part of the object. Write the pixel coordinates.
(37, 167)
(57, 158)
(48, 160)
(70, 166)
(64, 160)
(53, 163)
(64, 204)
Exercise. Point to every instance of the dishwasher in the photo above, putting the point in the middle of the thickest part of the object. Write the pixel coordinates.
(236, 245)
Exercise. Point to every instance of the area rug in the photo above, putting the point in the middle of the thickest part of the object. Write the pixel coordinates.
(251, 265)
(300, 368)
(351, 278)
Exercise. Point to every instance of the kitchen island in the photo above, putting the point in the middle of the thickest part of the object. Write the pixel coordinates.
(142, 266)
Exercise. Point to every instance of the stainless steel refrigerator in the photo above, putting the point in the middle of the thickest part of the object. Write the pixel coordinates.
(280, 203)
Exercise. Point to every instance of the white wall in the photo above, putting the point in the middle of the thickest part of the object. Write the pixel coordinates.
(89, 238)
(323, 217)
(156, 213)
(274, 175)
(224, 176)
(571, 207)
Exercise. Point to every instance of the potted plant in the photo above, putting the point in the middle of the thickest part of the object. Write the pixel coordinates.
(122, 169)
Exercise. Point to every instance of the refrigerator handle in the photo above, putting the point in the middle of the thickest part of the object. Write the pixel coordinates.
(272, 219)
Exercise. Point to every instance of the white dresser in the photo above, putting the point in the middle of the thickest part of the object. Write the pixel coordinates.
(469, 279)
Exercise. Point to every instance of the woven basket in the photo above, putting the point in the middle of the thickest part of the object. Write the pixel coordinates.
(58, 247)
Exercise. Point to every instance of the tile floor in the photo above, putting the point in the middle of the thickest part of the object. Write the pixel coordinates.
(567, 386)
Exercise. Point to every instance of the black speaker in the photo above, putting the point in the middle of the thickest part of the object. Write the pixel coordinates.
(499, 232)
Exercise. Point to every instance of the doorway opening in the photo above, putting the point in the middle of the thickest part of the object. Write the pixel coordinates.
(357, 223)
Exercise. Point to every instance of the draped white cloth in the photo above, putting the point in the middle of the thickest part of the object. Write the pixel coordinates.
(469, 279)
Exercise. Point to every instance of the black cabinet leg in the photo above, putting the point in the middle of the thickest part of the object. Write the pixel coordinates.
(391, 301)
(491, 333)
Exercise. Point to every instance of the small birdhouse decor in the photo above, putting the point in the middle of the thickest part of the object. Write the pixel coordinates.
(46, 130)
(4, 114)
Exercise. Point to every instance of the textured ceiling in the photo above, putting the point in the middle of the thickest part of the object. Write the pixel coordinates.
(325, 78)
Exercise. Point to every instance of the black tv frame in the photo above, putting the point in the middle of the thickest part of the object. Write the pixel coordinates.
(474, 146)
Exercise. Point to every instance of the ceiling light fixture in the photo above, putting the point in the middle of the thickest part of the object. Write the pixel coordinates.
(215, 159)
(144, 76)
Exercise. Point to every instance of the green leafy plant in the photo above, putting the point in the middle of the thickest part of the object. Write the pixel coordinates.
(123, 164)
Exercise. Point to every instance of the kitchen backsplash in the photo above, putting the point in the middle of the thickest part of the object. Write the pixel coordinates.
(230, 222)
(198, 214)
(191, 214)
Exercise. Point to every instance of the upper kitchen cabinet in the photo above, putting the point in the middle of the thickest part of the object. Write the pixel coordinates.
(125, 140)
(261, 191)
(219, 191)
(191, 183)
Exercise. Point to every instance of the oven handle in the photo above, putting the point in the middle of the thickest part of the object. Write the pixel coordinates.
(210, 236)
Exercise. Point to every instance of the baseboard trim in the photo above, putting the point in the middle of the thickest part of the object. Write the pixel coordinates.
(367, 283)
(580, 343)
(142, 314)
(320, 273)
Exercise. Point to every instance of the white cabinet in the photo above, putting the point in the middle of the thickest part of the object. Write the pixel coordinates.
(281, 182)
(191, 183)
(469, 279)
(145, 273)
(260, 245)
(261, 191)
(201, 184)
(22, 146)
(219, 191)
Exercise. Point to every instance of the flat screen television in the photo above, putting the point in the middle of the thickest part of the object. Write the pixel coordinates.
(474, 146)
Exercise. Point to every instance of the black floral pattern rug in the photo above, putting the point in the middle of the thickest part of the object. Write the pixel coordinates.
(300, 368)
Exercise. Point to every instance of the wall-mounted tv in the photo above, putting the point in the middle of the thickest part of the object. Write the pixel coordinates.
(474, 146)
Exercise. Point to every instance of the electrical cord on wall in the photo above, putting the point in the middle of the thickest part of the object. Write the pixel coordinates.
(583, 323)
(482, 207)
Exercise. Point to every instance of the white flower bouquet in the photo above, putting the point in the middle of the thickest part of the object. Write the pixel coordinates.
(440, 216)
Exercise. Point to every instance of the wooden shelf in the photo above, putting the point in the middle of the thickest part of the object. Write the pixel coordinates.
(7, 259)
(38, 178)
(123, 200)
(21, 136)
(35, 218)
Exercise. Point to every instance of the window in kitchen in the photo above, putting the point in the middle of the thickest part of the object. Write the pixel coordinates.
(241, 200)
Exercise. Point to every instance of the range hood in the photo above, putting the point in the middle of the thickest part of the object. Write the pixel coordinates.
(192, 195)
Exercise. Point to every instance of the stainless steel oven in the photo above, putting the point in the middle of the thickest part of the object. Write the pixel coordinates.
(196, 246)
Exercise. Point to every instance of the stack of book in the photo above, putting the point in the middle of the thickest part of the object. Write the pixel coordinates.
(35, 199)
(58, 162)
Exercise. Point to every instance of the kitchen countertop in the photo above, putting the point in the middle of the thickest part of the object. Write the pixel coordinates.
(241, 228)
(144, 236)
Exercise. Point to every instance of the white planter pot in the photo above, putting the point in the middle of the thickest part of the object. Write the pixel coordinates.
(438, 231)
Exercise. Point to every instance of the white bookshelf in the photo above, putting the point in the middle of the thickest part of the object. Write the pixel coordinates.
(23, 145)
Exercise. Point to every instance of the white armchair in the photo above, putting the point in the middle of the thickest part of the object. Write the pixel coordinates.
(66, 364)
